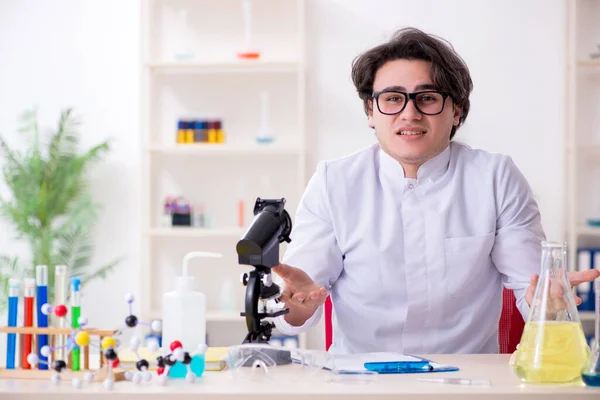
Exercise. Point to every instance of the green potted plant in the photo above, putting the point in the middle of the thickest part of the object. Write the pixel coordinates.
(50, 208)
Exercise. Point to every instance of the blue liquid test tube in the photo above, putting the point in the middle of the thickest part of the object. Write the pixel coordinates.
(41, 275)
(13, 308)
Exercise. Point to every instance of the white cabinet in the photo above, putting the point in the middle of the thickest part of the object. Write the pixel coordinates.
(192, 74)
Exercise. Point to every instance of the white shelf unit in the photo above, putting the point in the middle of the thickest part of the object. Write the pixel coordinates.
(583, 126)
(213, 83)
(241, 149)
(229, 66)
(582, 141)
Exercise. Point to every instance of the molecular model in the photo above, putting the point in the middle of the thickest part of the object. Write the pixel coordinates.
(110, 349)
(163, 362)
(77, 338)
(111, 345)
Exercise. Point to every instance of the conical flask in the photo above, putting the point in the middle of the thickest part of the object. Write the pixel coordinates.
(553, 347)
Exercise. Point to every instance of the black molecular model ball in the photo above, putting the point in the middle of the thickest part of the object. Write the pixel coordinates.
(131, 321)
(110, 355)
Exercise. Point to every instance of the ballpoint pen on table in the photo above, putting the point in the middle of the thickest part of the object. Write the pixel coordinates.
(28, 299)
(458, 381)
(13, 301)
(41, 280)
(75, 314)
(395, 367)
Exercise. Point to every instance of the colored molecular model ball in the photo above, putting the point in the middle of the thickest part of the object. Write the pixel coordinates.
(77, 338)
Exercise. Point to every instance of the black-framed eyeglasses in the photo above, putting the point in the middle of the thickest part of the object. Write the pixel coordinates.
(428, 102)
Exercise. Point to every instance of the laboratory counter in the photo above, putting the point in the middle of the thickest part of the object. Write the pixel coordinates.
(288, 383)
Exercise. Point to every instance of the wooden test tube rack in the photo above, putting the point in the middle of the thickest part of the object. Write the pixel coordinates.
(52, 332)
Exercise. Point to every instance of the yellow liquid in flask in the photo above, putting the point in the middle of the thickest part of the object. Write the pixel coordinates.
(551, 352)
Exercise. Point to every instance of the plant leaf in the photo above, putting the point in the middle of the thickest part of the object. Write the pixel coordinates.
(101, 272)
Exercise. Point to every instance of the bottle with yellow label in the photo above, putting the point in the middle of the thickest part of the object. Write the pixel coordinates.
(180, 131)
(212, 132)
(220, 132)
(189, 132)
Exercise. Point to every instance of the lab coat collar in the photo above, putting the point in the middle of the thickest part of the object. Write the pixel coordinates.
(431, 169)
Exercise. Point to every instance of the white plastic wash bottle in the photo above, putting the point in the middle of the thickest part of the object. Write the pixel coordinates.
(184, 309)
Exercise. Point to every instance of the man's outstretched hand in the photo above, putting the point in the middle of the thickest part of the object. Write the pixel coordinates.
(300, 294)
(575, 278)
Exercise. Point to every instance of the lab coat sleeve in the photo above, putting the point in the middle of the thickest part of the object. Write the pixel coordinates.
(519, 233)
(314, 247)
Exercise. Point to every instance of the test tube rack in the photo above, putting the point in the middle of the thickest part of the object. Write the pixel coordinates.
(53, 333)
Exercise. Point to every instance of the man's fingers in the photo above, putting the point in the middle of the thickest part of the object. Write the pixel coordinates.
(534, 280)
(578, 300)
(575, 278)
(531, 289)
(285, 296)
(316, 298)
(283, 270)
(298, 298)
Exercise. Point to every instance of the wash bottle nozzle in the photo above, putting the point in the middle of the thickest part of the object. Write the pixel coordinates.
(184, 282)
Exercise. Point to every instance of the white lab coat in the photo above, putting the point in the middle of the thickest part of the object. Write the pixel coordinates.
(417, 265)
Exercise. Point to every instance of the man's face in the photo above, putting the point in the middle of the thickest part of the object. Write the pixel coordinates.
(430, 133)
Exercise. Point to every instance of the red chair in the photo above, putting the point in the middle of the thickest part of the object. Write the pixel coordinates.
(510, 326)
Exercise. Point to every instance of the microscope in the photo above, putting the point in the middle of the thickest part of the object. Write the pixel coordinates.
(259, 247)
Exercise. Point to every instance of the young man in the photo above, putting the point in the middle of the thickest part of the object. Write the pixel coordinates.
(413, 237)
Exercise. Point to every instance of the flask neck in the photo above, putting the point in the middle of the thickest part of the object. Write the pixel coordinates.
(554, 259)
(554, 299)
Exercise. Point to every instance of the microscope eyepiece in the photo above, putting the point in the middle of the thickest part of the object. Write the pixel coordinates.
(271, 225)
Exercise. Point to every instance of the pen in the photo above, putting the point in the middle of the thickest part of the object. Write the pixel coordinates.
(41, 280)
(60, 297)
(28, 297)
(458, 381)
(396, 367)
(75, 313)
(13, 301)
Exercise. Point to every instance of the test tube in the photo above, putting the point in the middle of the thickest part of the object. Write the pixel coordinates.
(60, 297)
(13, 301)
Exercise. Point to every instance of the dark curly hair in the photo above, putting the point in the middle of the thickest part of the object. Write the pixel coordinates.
(449, 73)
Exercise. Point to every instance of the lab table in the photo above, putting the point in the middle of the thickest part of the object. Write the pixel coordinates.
(292, 382)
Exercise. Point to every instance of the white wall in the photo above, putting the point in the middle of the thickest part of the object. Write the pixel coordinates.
(62, 53)
(85, 53)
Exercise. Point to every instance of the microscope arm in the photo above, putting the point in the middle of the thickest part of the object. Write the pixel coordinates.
(252, 298)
